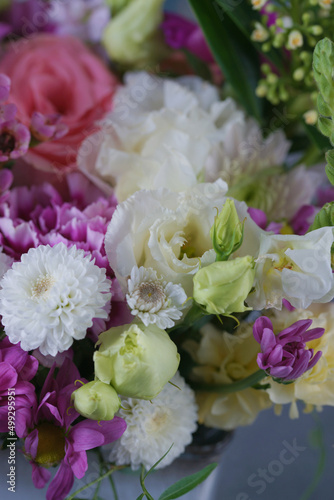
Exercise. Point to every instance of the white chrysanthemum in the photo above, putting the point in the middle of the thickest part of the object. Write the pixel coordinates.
(154, 300)
(51, 297)
(152, 427)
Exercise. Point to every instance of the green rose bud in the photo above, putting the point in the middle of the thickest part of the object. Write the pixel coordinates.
(222, 287)
(133, 38)
(137, 360)
(227, 231)
(96, 400)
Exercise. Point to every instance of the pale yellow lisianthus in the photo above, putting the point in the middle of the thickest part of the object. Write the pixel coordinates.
(96, 400)
(224, 358)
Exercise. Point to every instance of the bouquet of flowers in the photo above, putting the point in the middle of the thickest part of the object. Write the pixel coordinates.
(166, 228)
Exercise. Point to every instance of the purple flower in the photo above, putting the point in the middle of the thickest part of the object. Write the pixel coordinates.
(285, 356)
(52, 439)
(180, 33)
(17, 368)
(299, 224)
(14, 140)
(4, 87)
(46, 127)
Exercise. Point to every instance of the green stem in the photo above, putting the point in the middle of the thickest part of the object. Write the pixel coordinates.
(253, 379)
(110, 471)
(103, 465)
(295, 11)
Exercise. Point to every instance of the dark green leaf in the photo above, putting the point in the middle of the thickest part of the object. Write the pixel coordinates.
(323, 108)
(200, 67)
(237, 58)
(140, 496)
(244, 16)
(324, 218)
(330, 166)
(316, 137)
(144, 476)
(187, 483)
(325, 126)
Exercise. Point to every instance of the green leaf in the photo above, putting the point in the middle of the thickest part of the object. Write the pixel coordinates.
(324, 218)
(323, 63)
(140, 496)
(200, 67)
(316, 137)
(244, 16)
(325, 126)
(233, 51)
(323, 108)
(187, 483)
(330, 166)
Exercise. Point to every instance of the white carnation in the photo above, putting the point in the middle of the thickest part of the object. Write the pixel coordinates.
(51, 297)
(154, 300)
(152, 427)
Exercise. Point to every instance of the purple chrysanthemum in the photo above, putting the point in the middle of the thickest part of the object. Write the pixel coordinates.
(285, 356)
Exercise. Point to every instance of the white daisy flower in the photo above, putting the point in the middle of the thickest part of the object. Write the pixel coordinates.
(154, 300)
(51, 297)
(152, 427)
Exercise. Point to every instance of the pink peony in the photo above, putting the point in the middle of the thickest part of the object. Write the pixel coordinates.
(58, 75)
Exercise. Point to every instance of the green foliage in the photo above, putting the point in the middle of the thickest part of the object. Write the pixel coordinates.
(324, 218)
(323, 64)
(237, 58)
(187, 484)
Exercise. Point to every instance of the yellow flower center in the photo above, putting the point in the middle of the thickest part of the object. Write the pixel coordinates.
(51, 444)
(42, 286)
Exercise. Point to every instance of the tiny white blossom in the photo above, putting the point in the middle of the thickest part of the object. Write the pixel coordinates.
(311, 117)
(295, 40)
(154, 300)
(326, 4)
(260, 34)
(51, 297)
(153, 426)
(258, 4)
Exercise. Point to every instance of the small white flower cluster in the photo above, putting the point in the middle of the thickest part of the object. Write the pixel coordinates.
(51, 297)
(153, 426)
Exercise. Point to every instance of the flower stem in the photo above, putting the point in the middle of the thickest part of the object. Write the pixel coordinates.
(253, 379)
(110, 471)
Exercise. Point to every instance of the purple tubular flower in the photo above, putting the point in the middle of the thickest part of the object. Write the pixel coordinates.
(47, 127)
(14, 140)
(53, 439)
(285, 356)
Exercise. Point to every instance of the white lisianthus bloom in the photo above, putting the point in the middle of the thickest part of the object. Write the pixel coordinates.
(170, 233)
(292, 267)
(153, 426)
(51, 297)
(316, 386)
(223, 358)
(175, 134)
(154, 300)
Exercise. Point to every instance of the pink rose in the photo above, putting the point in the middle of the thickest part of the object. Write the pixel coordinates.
(52, 74)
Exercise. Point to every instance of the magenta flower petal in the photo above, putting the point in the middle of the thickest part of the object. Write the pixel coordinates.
(314, 333)
(268, 340)
(61, 484)
(258, 216)
(281, 371)
(85, 438)
(7, 112)
(276, 355)
(4, 87)
(78, 463)
(258, 327)
(40, 476)
(31, 443)
(314, 360)
(8, 376)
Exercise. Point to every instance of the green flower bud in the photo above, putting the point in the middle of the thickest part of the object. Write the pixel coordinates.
(261, 90)
(222, 287)
(136, 360)
(132, 37)
(96, 400)
(227, 231)
(298, 74)
(316, 30)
